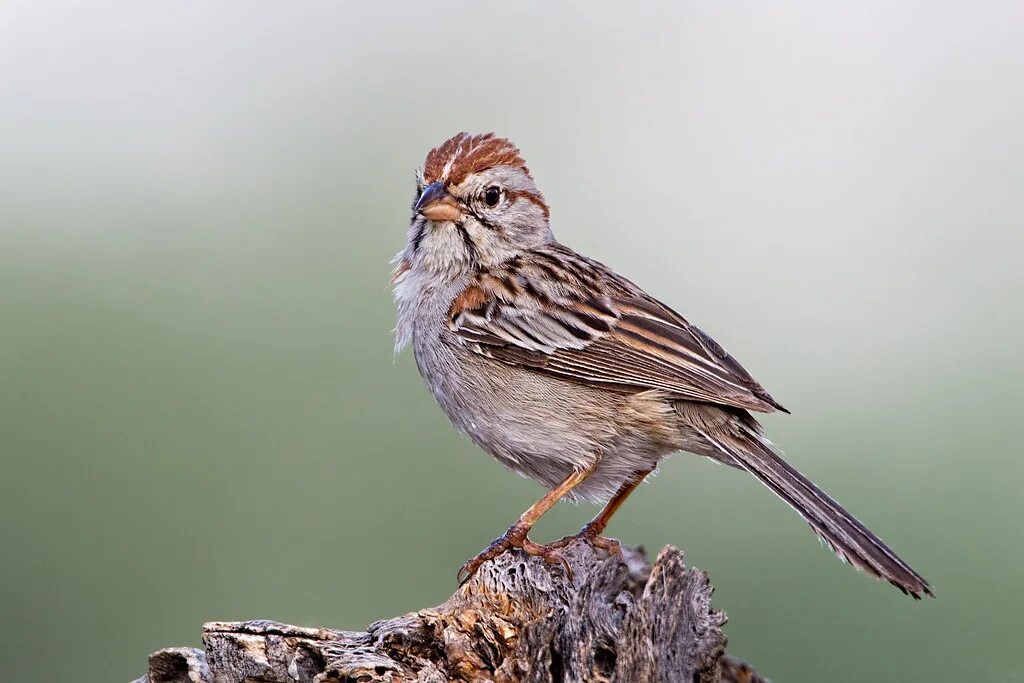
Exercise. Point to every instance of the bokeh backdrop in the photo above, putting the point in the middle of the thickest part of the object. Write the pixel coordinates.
(201, 415)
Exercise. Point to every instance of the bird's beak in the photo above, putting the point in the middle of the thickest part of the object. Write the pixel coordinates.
(436, 204)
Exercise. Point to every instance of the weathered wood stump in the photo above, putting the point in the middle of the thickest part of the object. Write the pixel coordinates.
(519, 619)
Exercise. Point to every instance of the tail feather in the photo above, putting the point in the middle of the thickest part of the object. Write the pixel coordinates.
(850, 540)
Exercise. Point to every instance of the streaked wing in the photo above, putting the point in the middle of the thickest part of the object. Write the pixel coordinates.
(531, 313)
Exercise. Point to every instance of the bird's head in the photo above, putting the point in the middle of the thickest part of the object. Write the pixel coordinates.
(476, 205)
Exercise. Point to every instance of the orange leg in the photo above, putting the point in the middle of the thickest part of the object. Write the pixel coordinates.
(516, 536)
(592, 530)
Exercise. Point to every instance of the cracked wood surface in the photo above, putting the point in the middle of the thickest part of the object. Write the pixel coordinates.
(518, 619)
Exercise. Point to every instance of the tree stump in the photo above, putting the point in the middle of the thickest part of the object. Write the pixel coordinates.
(612, 618)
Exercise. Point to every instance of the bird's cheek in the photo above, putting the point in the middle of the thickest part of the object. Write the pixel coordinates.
(481, 236)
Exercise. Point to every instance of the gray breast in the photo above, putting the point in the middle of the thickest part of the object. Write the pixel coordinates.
(539, 426)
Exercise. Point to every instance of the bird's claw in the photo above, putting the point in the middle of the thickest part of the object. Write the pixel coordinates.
(590, 534)
(515, 537)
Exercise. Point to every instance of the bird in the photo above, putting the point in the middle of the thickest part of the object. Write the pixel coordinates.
(570, 374)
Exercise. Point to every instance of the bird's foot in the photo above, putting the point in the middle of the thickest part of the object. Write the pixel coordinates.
(515, 537)
(590, 533)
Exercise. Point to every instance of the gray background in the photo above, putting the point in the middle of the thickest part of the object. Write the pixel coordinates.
(200, 416)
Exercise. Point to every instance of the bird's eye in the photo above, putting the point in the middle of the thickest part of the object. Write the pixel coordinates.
(492, 195)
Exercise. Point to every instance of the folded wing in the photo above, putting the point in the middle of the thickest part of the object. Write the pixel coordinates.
(559, 313)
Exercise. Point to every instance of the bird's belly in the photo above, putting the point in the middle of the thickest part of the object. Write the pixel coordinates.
(538, 426)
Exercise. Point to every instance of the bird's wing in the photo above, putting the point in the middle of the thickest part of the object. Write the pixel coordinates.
(556, 312)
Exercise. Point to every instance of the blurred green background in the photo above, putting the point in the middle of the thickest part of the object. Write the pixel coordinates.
(200, 415)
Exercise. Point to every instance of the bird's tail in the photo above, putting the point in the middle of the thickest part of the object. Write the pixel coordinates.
(851, 541)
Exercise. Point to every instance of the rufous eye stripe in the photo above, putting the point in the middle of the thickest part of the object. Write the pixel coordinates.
(514, 195)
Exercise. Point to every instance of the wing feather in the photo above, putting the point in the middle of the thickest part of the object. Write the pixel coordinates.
(556, 312)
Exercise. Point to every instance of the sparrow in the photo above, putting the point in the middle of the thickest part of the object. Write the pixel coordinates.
(570, 374)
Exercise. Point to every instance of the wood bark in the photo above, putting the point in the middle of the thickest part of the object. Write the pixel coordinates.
(613, 618)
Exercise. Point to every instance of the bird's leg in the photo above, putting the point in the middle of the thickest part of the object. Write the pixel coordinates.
(591, 531)
(516, 536)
